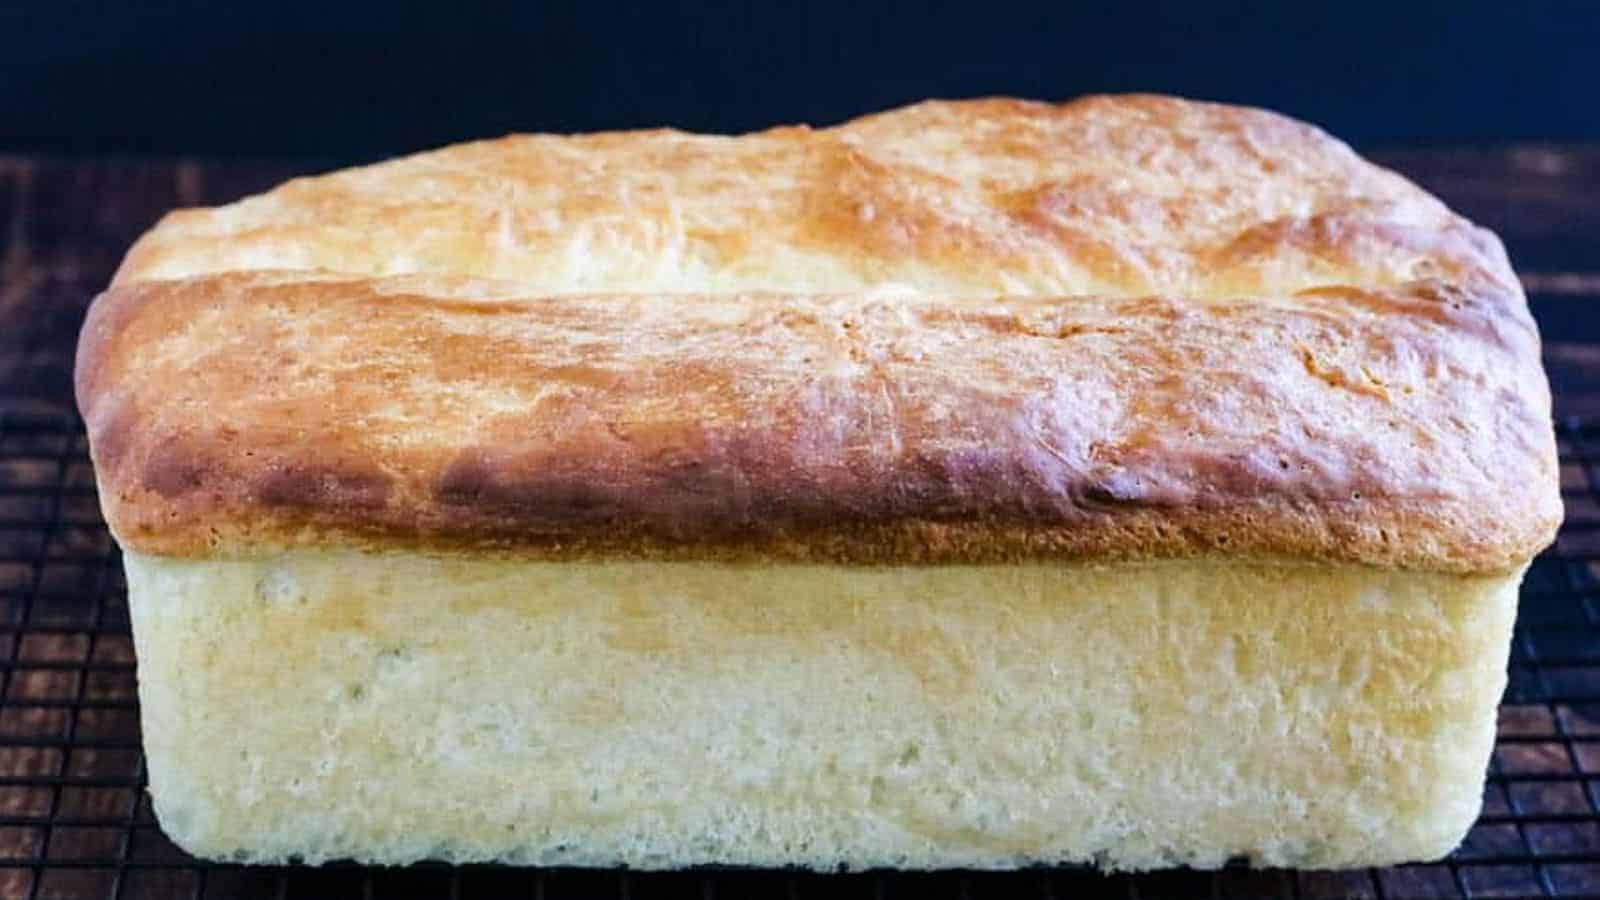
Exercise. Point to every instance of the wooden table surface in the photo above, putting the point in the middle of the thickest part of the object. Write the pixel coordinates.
(67, 222)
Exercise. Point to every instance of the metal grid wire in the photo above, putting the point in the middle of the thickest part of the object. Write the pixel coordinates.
(75, 820)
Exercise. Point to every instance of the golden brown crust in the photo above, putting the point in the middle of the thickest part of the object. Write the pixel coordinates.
(1118, 328)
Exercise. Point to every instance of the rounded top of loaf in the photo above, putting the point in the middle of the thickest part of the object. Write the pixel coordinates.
(1116, 328)
(1107, 195)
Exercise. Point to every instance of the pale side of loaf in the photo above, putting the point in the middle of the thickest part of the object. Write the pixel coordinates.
(1130, 481)
(396, 707)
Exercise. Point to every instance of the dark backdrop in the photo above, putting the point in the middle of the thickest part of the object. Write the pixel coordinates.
(362, 79)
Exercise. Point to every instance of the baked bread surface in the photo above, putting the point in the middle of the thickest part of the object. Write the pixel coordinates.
(1117, 328)
(390, 707)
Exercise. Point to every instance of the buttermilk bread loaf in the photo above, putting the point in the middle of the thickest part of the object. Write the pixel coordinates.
(1130, 481)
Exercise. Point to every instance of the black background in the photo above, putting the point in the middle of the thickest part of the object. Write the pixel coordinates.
(350, 81)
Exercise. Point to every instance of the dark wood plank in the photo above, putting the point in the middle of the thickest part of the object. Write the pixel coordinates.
(82, 214)
(1563, 284)
(1574, 370)
(213, 182)
(70, 223)
(1543, 200)
(99, 197)
(13, 174)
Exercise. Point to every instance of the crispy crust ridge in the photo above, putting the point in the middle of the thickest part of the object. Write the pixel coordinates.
(1120, 328)
(276, 411)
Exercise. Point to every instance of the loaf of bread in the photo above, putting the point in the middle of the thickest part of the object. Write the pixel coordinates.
(1130, 481)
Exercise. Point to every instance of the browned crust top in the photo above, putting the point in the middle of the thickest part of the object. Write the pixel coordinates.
(1121, 328)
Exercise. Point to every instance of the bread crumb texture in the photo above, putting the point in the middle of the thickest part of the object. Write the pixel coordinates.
(397, 707)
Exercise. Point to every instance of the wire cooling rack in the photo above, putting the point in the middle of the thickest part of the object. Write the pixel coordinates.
(75, 821)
